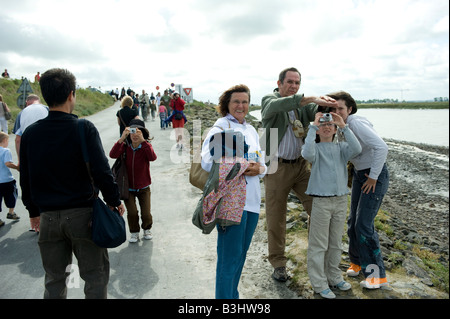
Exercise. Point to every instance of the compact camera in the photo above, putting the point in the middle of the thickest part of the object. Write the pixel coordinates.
(132, 130)
(326, 117)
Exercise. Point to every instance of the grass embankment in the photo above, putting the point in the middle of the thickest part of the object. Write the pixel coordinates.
(88, 102)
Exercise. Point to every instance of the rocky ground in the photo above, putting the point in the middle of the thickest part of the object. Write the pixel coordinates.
(418, 195)
(415, 226)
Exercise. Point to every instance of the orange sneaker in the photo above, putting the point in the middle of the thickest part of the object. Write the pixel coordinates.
(374, 283)
(353, 270)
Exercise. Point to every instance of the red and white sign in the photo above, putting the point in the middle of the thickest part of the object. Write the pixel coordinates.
(187, 91)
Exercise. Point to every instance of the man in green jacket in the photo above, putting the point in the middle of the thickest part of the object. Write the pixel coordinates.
(285, 117)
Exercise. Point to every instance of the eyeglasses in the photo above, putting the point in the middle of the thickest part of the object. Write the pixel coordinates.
(326, 124)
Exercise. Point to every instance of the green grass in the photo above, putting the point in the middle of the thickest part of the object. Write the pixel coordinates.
(88, 102)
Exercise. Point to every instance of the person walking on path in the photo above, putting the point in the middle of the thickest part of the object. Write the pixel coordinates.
(162, 116)
(8, 188)
(369, 185)
(178, 118)
(144, 105)
(165, 99)
(139, 154)
(328, 187)
(3, 121)
(233, 241)
(285, 118)
(57, 189)
(127, 113)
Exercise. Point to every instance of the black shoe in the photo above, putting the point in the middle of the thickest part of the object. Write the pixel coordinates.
(280, 274)
(12, 216)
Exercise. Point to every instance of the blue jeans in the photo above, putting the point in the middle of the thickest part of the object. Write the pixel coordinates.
(364, 245)
(162, 118)
(232, 246)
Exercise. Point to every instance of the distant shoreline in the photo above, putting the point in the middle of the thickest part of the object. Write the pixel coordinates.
(398, 106)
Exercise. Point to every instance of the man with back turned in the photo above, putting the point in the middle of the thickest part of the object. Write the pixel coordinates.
(57, 190)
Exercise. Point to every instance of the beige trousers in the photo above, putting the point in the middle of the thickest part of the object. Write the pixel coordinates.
(278, 185)
(325, 241)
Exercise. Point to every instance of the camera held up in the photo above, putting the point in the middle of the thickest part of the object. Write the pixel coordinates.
(326, 117)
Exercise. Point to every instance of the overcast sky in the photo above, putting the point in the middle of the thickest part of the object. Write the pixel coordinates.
(370, 48)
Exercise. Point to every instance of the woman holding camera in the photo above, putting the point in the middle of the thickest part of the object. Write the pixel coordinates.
(139, 154)
(369, 185)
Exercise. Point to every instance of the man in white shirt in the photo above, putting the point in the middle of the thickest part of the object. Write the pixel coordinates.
(33, 111)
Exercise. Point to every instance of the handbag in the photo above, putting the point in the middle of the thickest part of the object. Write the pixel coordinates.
(178, 116)
(197, 175)
(197, 218)
(7, 113)
(119, 171)
(108, 227)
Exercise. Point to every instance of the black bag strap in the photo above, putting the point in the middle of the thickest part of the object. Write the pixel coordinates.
(120, 117)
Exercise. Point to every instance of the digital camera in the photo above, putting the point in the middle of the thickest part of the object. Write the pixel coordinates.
(132, 130)
(326, 117)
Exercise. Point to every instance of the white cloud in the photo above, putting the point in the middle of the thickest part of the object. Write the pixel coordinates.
(371, 48)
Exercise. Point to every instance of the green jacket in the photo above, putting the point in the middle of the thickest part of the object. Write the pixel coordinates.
(274, 114)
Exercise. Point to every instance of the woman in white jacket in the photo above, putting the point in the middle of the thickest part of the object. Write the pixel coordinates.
(234, 241)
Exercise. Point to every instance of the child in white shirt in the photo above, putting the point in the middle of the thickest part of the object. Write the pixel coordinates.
(8, 188)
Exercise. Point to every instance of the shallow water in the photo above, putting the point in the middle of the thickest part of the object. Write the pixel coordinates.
(418, 126)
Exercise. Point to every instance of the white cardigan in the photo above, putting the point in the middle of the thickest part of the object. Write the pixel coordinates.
(374, 149)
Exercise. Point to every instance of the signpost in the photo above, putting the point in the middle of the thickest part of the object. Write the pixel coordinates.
(24, 89)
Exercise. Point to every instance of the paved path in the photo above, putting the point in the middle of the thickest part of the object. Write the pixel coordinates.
(178, 263)
(165, 267)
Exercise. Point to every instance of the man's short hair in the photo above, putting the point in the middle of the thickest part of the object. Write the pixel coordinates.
(56, 85)
(33, 97)
(282, 75)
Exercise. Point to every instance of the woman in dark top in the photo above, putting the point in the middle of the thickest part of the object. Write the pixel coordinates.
(126, 113)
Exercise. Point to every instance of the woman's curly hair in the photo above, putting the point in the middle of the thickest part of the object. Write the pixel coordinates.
(225, 98)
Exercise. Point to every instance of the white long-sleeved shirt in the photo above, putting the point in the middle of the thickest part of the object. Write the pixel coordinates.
(253, 188)
(374, 149)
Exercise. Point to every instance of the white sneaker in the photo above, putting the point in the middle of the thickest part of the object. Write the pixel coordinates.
(343, 285)
(148, 234)
(353, 270)
(327, 293)
(134, 238)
